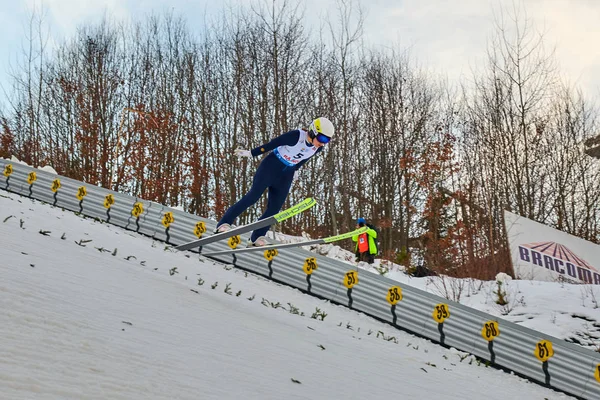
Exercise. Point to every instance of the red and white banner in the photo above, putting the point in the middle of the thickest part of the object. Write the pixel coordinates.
(546, 254)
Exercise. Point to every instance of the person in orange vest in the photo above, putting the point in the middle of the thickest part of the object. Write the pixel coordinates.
(366, 248)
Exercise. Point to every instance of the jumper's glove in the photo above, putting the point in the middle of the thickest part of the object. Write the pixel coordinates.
(242, 153)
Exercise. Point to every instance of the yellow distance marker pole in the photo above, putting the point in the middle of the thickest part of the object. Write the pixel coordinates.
(489, 332)
(543, 351)
(394, 296)
(310, 266)
(81, 193)
(31, 178)
(350, 280)
(8, 170)
(109, 200)
(270, 255)
(441, 312)
(199, 229)
(136, 211)
(167, 220)
(55, 186)
(233, 242)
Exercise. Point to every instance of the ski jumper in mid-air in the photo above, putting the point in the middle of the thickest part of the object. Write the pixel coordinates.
(276, 172)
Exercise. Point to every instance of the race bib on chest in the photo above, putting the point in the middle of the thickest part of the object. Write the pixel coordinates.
(363, 243)
(292, 155)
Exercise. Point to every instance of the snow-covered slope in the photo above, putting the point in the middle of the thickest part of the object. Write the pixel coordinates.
(90, 311)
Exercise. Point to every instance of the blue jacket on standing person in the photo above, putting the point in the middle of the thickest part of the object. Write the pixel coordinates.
(366, 247)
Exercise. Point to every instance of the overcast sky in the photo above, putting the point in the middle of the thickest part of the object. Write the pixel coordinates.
(446, 36)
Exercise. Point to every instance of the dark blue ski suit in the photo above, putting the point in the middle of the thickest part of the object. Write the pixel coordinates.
(274, 173)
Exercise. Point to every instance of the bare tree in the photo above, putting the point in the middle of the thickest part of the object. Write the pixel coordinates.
(24, 130)
(151, 109)
(345, 35)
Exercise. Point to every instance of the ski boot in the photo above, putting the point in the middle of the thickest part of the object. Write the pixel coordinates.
(259, 242)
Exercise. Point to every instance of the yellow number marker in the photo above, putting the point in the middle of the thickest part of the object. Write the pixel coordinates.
(168, 219)
(543, 350)
(81, 193)
(350, 279)
(490, 330)
(8, 170)
(199, 229)
(310, 265)
(109, 200)
(55, 185)
(441, 313)
(394, 295)
(271, 254)
(32, 177)
(138, 209)
(234, 241)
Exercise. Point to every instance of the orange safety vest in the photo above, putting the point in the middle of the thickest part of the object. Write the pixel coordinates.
(363, 243)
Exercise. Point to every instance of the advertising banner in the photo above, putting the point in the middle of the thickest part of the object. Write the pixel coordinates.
(542, 253)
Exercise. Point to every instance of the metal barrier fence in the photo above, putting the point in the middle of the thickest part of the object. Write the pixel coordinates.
(544, 359)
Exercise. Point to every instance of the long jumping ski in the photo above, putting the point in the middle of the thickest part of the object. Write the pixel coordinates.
(281, 216)
(278, 246)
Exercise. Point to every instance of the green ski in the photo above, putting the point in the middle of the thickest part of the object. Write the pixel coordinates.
(281, 216)
(278, 246)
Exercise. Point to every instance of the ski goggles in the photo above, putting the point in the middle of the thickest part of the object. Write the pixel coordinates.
(322, 138)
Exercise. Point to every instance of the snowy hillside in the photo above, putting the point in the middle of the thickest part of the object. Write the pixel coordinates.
(90, 311)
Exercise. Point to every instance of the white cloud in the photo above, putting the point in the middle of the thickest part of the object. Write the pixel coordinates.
(64, 16)
(447, 36)
(574, 27)
(451, 35)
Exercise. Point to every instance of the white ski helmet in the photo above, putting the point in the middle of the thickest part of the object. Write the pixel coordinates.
(322, 126)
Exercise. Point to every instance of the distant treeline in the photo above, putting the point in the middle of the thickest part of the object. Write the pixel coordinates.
(155, 107)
